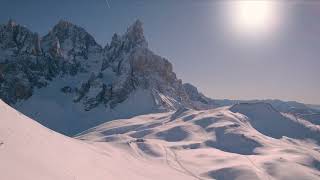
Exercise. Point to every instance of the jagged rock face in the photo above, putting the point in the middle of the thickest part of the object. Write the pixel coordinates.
(69, 41)
(144, 63)
(133, 66)
(20, 68)
(122, 46)
(22, 74)
(134, 36)
(17, 39)
(154, 72)
(24, 65)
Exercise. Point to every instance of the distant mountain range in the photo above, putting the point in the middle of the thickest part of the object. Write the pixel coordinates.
(283, 106)
(313, 106)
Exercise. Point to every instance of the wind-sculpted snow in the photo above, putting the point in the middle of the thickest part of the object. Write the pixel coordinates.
(218, 143)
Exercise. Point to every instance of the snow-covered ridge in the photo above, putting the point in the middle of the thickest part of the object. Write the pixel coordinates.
(269, 121)
(68, 72)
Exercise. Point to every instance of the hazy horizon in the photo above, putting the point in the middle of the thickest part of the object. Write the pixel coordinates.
(199, 39)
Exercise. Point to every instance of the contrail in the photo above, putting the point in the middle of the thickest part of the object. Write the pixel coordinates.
(108, 3)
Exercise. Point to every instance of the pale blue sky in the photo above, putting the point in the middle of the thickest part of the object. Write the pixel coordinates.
(194, 36)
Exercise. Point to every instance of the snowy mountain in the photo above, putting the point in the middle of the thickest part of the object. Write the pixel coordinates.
(65, 77)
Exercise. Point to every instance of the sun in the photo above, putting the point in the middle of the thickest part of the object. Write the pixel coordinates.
(253, 17)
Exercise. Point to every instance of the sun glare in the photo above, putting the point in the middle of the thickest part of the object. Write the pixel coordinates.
(254, 17)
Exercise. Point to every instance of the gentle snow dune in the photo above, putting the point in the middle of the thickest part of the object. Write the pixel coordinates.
(219, 144)
(30, 151)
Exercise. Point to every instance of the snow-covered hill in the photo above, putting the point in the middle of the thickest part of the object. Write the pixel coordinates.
(227, 143)
(65, 77)
(30, 151)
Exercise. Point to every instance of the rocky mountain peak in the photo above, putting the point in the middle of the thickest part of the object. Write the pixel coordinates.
(74, 40)
(135, 34)
(16, 39)
(11, 23)
(64, 24)
(122, 46)
(115, 39)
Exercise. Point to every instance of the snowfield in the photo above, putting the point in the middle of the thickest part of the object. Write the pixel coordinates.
(220, 143)
(227, 143)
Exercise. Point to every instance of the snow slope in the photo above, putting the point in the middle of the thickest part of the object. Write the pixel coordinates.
(30, 151)
(58, 112)
(219, 143)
